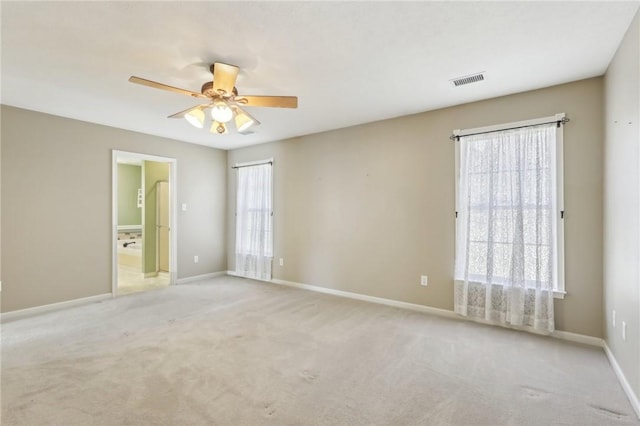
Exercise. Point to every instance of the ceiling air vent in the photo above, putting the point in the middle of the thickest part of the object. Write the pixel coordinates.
(473, 78)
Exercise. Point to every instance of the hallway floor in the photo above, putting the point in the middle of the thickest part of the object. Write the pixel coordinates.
(131, 280)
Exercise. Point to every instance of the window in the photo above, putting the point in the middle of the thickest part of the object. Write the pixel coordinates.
(254, 233)
(509, 205)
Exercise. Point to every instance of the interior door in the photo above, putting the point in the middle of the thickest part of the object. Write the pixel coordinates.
(162, 223)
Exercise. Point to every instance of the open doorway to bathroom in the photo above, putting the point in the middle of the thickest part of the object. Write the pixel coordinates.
(144, 232)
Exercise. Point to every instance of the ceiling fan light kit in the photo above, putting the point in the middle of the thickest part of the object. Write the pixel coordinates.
(244, 120)
(195, 117)
(221, 112)
(219, 128)
(224, 105)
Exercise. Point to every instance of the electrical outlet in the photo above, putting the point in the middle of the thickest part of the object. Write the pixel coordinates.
(624, 330)
(281, 262)
(424, 280)
(613, 318)
(195, 259)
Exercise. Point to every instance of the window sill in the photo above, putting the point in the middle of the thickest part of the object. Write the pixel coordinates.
(559, 294)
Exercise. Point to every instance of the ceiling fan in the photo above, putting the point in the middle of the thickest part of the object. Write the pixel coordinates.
(223, 101)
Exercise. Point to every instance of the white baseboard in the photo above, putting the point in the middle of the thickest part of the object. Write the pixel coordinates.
(24, 313)
(578, 338)
(633, 398)
(201, 277)
(564, 335)
(557, 334)
(372, 299)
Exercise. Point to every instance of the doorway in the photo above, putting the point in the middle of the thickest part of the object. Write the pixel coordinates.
(144, 231)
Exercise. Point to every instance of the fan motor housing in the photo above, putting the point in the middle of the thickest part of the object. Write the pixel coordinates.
(207, 90)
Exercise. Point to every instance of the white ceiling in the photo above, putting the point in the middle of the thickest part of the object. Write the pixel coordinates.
(348, 62)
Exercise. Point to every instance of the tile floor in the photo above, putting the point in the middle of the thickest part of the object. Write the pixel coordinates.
(131, 280)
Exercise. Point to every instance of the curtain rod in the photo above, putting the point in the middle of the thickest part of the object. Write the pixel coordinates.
(252, 164)
(564, 120)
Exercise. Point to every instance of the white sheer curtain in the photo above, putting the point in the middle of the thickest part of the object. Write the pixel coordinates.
(506, 260)
(254, 237)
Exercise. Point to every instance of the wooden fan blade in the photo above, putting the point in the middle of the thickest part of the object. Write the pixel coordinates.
(269, 101)
(181, 114)
(224, 77)
(156, 85)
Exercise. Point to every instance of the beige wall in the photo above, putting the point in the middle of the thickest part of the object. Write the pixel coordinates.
(622, 204)
(368, 209)
(56, 198)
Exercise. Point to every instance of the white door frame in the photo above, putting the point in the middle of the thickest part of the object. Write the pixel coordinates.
(173, 210)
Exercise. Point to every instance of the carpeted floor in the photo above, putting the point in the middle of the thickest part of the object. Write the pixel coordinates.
(239, 352)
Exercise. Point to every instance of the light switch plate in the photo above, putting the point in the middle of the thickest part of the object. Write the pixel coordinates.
(184, 207)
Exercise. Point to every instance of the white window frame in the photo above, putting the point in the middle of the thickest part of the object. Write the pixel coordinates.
(249, 164)
(560, 291)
